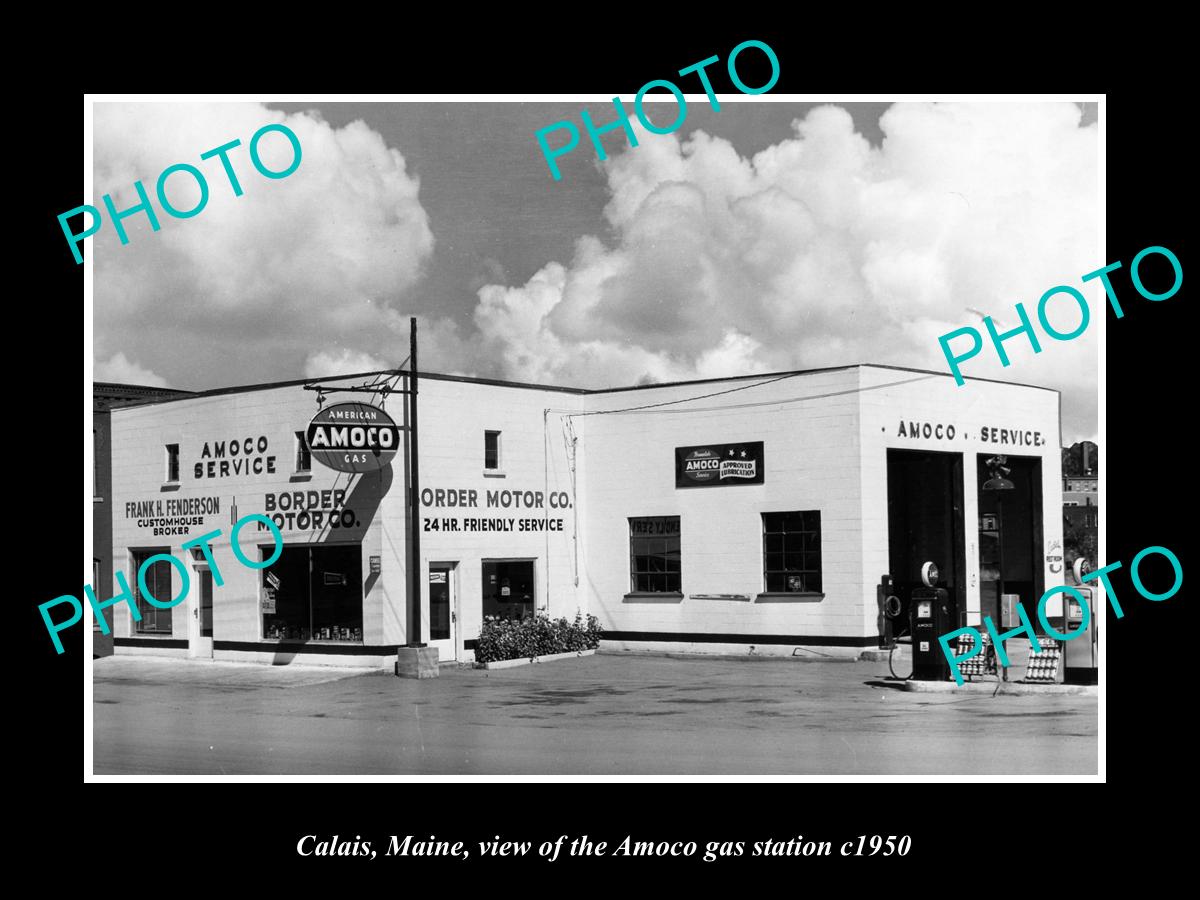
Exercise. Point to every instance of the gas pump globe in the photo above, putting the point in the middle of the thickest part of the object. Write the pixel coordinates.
(929, 574)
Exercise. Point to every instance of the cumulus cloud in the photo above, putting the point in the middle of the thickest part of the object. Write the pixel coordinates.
(823, 250)
(323, 256)
(119, 370)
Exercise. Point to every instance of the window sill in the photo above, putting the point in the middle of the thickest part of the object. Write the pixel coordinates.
(303, 475)
(494, 473)
(170, 486)
(653, 597)
(791, 597)
(742, 597)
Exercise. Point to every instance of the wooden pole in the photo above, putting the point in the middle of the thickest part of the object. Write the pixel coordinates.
(414, 564)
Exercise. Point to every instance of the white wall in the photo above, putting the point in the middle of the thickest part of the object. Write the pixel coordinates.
(453, 417)
(826, 436)
(139, 436)
(811, 455)
(533, 460)
(891, 396)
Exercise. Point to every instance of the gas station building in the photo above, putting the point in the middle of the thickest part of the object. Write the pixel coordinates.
(755, 512)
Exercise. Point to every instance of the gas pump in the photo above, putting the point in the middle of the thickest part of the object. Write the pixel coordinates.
(890, 608)
(1081, 655)
(931, 617)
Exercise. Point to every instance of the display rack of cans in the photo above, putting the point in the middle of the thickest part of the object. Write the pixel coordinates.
(345, 633)
(983, 664)
(1043, 667)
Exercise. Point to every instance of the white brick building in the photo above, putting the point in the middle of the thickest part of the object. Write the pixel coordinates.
(569, 500)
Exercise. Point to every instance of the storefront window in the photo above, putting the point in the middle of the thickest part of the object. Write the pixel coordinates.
(158, 583)
(313, 593)
(792, 552)
(654, 559)
(508, 588)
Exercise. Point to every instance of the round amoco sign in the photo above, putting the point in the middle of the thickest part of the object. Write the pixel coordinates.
(353, 437)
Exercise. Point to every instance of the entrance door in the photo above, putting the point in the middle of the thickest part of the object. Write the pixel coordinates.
(200, 628)
(443, 612)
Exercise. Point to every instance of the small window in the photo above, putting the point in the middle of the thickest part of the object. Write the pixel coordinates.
(98, 587)
(491, 450)
(303, 454)
(172, 462)
(792, 552)
(654, 559)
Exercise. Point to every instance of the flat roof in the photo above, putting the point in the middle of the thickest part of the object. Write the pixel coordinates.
(272, 385)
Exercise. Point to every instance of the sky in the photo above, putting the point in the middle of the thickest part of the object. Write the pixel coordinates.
(758, 238)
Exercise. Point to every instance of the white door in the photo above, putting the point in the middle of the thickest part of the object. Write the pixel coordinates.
(443, 611)
(200, 623)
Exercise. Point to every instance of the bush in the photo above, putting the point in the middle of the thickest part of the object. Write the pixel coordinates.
(535, 636)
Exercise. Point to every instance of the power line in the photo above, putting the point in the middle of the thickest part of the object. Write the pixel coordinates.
(858, 390)
(744, 387)
(651, 408)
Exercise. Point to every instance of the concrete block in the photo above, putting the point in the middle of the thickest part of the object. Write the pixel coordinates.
(417, 662)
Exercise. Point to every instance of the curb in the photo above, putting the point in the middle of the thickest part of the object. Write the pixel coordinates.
(530, 660)
(1007, 688)
(877, 654)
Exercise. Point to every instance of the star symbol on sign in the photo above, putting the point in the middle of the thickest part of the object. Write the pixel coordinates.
(731, 453)
(743, 454)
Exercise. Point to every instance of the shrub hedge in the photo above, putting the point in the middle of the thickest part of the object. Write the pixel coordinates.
(535, 636)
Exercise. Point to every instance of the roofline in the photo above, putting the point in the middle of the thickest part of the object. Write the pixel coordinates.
(121, 385)
(435, 376)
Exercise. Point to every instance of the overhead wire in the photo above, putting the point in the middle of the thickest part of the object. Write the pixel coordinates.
(658, 407)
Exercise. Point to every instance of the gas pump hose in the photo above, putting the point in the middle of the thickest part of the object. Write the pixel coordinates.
(892, 653)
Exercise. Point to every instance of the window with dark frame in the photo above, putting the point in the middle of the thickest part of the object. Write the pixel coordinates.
(792, 552)
(491, 450)
(158, 583)
(313, 593)
(172, 462)
(303, 454)
(654, 559)
(99, 587)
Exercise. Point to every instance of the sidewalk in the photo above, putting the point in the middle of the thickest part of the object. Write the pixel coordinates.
(148, 670)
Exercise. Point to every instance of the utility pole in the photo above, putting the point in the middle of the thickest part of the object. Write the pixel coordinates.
(414, 659)
(414, 566)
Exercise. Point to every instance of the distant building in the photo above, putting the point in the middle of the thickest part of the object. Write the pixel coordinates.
(1080, 490)
(104, 398)
(1087, 517)
(1081, 500)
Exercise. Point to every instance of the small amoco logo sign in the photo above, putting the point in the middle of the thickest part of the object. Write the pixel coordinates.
(353, 437)
(719, 465)
(702, 465)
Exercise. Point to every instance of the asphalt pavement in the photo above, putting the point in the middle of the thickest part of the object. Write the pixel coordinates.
(609, 714)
